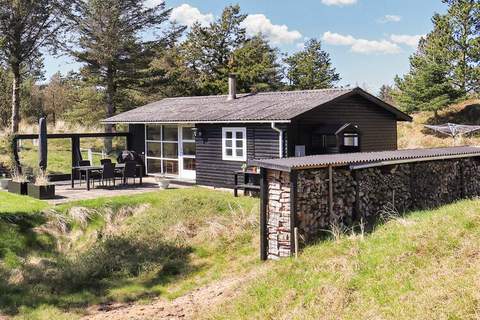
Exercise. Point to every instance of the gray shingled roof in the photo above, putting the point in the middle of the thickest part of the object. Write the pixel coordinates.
(267, 106)
(364, 158)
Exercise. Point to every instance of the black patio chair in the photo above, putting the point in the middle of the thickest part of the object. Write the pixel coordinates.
(108, 173)
(130, 171)
(83, 163)
(103, 161)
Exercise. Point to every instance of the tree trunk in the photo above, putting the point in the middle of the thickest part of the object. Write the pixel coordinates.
(17, 80)
(109, 128)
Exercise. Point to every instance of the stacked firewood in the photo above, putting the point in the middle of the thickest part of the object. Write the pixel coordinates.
(278, 214)
(383, 190)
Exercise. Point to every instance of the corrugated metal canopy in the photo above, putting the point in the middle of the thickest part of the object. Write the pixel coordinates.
(364, 158)
(258, 107)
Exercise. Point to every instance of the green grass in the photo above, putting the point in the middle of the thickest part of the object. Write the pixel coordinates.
(15, 204)
(60, 154)
(424, 266)
(128, 248)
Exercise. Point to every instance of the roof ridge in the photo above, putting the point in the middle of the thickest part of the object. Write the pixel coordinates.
(264, 93)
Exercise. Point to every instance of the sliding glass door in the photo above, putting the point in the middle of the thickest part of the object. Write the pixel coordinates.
(170, 150)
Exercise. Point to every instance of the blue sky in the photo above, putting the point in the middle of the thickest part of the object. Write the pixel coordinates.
(369, 41)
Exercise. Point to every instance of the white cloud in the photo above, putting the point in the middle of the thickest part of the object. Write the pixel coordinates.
(153, 3)
(277, 34)
(409, 40)
(390, 18)
(361, 45)
(339, 2)
(188, 15)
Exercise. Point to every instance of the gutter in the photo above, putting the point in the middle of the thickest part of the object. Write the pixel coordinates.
(280, 139)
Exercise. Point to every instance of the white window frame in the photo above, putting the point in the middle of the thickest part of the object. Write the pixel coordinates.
(234, 139)
(354, 139)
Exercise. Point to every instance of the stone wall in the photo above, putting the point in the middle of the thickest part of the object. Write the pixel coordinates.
(362, 195)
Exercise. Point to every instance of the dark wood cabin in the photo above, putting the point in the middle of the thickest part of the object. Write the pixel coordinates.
(207, 139)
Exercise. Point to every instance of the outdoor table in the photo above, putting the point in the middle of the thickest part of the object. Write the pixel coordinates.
(89, 169)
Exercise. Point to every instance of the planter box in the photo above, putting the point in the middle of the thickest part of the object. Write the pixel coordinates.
(17, 187)
(4, 183)
(41, 192)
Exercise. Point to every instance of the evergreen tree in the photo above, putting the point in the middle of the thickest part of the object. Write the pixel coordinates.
(430, 83)
(386, 94)
(257, 67)
(108, 39)
(25, 27)
(311, 68)
(463, 21)
(209, 49)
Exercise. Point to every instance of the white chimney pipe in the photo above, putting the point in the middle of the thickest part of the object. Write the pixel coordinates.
(232, 87)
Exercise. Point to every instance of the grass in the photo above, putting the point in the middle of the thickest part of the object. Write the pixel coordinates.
(15, 204)
(128, 248)
(60, 154)
(414, 135)
(424, 266)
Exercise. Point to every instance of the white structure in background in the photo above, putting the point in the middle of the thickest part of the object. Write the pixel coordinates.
(454, 130)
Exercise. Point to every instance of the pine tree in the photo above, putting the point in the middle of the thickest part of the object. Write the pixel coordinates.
(386, 93)
(108, 39)
(209, 49)
(311, 68)
(256, 65)
(25, 27)
(430, 83)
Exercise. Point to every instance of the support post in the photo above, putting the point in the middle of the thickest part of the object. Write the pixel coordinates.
(75, 150)
(330, 190)
(263, 214)
(293, 210)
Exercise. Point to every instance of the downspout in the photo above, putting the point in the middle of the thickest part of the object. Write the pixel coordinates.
(280, 139)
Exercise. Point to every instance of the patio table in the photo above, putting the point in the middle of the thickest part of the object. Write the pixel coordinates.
(89, 169)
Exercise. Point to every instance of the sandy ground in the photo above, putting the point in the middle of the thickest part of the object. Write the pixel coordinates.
(189, 306)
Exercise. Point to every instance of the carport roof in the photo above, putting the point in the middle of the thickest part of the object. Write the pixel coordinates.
(366, 159)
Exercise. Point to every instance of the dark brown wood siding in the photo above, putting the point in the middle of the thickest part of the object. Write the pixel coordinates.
(378, 126)
(137, 142)
(262, 142)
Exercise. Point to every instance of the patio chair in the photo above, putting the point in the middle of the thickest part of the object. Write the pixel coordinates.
(83, 163)
(108, 173)
(103, 161)
(130, 171)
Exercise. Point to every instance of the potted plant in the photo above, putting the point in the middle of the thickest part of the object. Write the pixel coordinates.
(162, 182)
(42, 189)
(4, 181)
(18, 184)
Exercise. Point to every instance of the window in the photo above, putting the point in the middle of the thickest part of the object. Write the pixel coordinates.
(350, 139)
(234, 144)
(162, 149)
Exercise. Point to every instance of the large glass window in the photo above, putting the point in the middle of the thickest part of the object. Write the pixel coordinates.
(162, 149)
(234, 144)
(170, 150)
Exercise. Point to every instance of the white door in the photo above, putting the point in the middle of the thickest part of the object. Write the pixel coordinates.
(187, 152)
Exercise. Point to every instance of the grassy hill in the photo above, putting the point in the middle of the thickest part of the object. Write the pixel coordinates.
(63, 259)
(57, 263)
(414, 135)
(424, 266)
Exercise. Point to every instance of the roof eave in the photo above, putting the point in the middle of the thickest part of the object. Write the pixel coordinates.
(106, 121)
